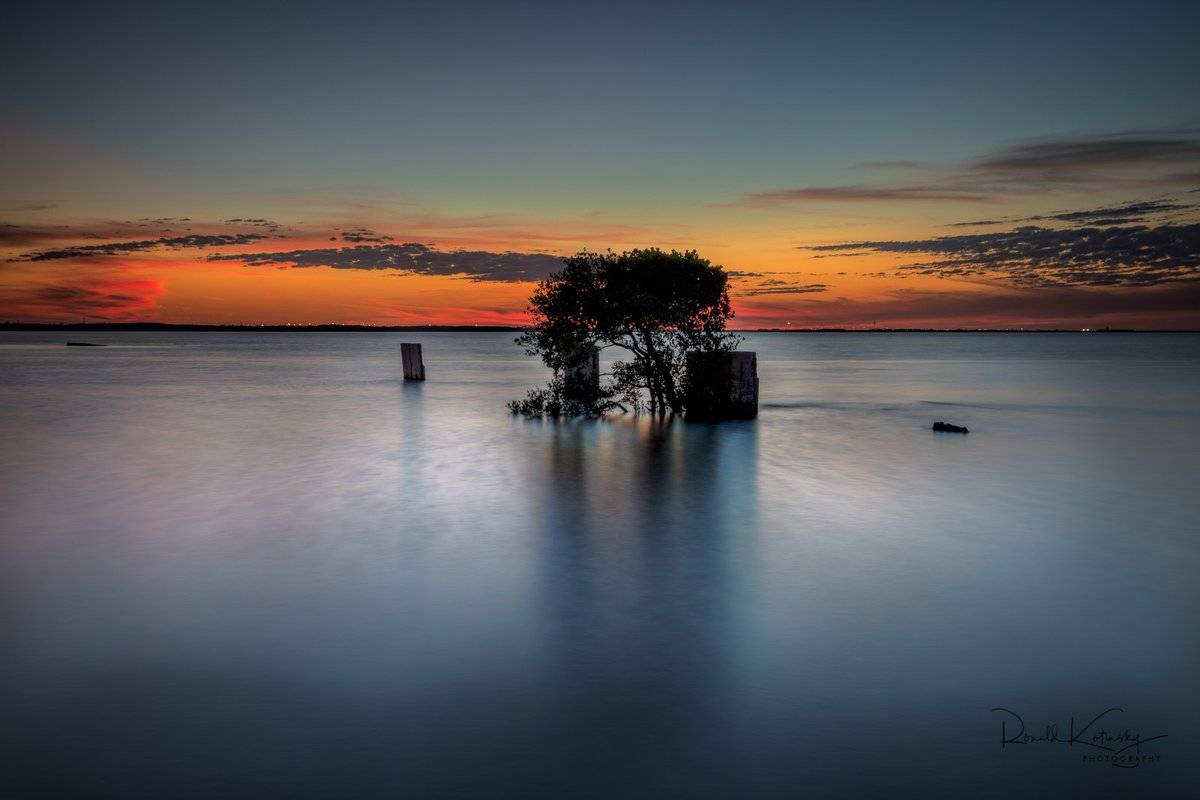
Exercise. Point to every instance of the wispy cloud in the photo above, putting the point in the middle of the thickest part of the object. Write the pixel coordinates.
(862, 193)
(1114, 215)
(1175, 305)
(111, 297)
(412, 258)
(119, 248)
(892, 164)
(358, 235)
(978, 223)
(24, 235)
(1081, 158)
(147, 233)
(1163, 159)
(29, 207)
(782, 287)
(1035, 256)
(269, 225)
(1122, 214)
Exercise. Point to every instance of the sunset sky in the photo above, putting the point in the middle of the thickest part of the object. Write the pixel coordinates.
(915, 165)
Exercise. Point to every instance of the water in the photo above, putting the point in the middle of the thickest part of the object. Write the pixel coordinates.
(261, 565)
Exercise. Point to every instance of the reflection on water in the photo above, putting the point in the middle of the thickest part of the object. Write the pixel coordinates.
(639, 584)
(260, 565)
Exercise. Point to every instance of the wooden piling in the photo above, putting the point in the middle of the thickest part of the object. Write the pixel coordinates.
(721, 386)
(414, 367)
(582, 381)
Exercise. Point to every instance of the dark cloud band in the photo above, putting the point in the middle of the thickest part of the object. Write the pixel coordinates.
(781, 287)
(119, 248)
(1166, 159)
(411, 257)
(1034, 256)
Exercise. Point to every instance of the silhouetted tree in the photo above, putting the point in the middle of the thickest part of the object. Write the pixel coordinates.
(655, 305)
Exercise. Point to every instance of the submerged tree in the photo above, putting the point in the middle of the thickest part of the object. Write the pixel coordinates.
(656, 306)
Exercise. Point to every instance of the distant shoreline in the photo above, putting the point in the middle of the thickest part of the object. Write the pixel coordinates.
(174, 327)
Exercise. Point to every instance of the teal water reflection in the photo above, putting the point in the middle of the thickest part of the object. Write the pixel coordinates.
(261, 565)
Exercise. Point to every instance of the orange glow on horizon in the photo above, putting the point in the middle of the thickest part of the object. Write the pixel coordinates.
(860, 291)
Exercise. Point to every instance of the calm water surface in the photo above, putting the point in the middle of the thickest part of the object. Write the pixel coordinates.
(261, 565)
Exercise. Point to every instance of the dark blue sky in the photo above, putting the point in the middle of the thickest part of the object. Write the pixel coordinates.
(516, 102)
(755, 132)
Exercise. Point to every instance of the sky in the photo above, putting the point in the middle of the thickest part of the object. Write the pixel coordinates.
(852, 165)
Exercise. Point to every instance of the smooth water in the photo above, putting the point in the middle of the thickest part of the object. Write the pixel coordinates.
(261, 565)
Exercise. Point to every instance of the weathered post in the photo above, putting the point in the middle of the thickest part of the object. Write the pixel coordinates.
(721, 386)
(582, 381)
(414, 368)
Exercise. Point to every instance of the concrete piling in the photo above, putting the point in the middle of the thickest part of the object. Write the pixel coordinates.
(414, 367)
(721, 386)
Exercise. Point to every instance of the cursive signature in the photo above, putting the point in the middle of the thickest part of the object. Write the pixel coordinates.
(1120, 747)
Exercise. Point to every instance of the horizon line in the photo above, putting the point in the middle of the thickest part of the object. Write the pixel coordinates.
(351, 327)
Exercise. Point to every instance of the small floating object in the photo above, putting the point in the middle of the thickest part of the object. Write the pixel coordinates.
(84, 344)
(946, 427)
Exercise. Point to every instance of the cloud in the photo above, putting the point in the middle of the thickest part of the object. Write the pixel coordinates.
(27, 207)
(1163, 306)
(22, 235)
(1168, 158)
(1060, 159)
(98, 297)
(1114, 215)
(88, 238)
(892, 164)
(860, 193)
(1122, 214)
(118, 248)
(782, 287)
(979, 223)
(258, 222)
(1034, 256)
(359, 235)
(414, 258)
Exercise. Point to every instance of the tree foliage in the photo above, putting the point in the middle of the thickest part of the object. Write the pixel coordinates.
(654, 305)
